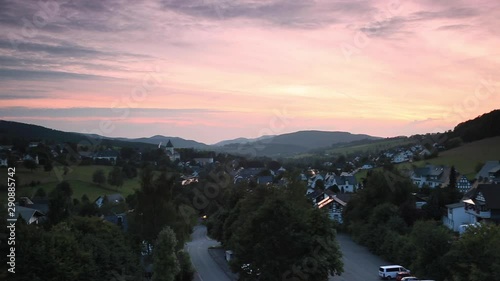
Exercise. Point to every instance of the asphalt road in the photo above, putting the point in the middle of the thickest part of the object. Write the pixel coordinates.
(206, 268)
(359, 263)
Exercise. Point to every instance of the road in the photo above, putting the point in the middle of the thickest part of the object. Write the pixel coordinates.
(359, 263)
(206, 268)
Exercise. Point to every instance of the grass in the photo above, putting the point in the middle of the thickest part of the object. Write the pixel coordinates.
(465, 158)
(371, 147)
(79, 178)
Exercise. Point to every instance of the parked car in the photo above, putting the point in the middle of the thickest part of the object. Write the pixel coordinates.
(390, 271)
(410, 278)
(401, 275)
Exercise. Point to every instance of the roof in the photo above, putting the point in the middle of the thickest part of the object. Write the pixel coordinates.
(491, 193)
(488, 166)
(27, 213)
(169, 144)
(455, 205)
(107, 153)
(264, 179)
(117, 197)
(345, 197)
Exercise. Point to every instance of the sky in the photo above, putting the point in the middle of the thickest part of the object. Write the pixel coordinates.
(211, 70)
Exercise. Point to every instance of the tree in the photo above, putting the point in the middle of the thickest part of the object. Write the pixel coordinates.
(48, 166)
(99, 177)
(293, 236)
(433, 242)
(165, 263)
(30, 164)
(186, 272)
(60, 203)
(115, 177)
(476, 255)
(40, 193)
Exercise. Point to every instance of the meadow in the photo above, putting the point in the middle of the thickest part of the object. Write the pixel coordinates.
(79, 178)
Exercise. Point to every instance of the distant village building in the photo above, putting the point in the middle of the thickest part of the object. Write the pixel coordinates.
(430, 175)
(490, 172)
(171, 153)
(483, 203)
(204, 161)
(108, 155)
(463, 184)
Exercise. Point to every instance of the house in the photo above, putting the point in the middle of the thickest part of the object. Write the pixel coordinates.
(400, 158)
(483, 202)
(430, 175)
(247, 174)
(456, 216)
(33, 144)
(109, 155)
(39, 204)
(463, 184)
(334, 204)
(344, 183)
(3, 161)
(204, 161)
(119, 220)
(266, 180)
(425, 153)
(489, 171)
(29, 157)
(367, 167)
(110, 198)
(31, 216)
(171, 153)
(314, 179)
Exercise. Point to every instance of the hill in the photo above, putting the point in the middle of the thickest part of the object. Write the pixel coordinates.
(294, 143)
(13, 131)
(465, 158)
(242, 140)
(484, 126)
(176, 141)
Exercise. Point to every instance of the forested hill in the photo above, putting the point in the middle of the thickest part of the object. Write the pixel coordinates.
(484, 126)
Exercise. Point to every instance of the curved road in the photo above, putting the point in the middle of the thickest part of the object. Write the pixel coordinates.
(359, 263)
(206, 268)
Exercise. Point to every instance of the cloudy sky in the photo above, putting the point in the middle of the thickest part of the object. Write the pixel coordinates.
(216, 69)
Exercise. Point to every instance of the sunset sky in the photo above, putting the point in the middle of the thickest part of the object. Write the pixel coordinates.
(217, 69)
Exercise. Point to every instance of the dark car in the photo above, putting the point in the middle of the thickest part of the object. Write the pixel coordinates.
(402, 274)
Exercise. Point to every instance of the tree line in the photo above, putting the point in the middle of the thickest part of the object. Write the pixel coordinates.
(383, 217)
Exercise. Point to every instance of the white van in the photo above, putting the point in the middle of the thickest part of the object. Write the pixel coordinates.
(390, 271)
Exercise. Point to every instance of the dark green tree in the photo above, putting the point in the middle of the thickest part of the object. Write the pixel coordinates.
(165, 263)
(98, 177)
(115, 177)
(30, 164)
(60, 203)
(476, 255)
(186, 272)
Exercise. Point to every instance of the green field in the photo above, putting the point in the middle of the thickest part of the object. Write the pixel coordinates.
(373, 147)
(466, 157)
(79, 177)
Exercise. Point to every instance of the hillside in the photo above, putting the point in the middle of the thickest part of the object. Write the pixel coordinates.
(484, 126)
(294, 143)
(242, 140)
(176, 141)
(370, 146)
(12, 131)
(466, 157)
